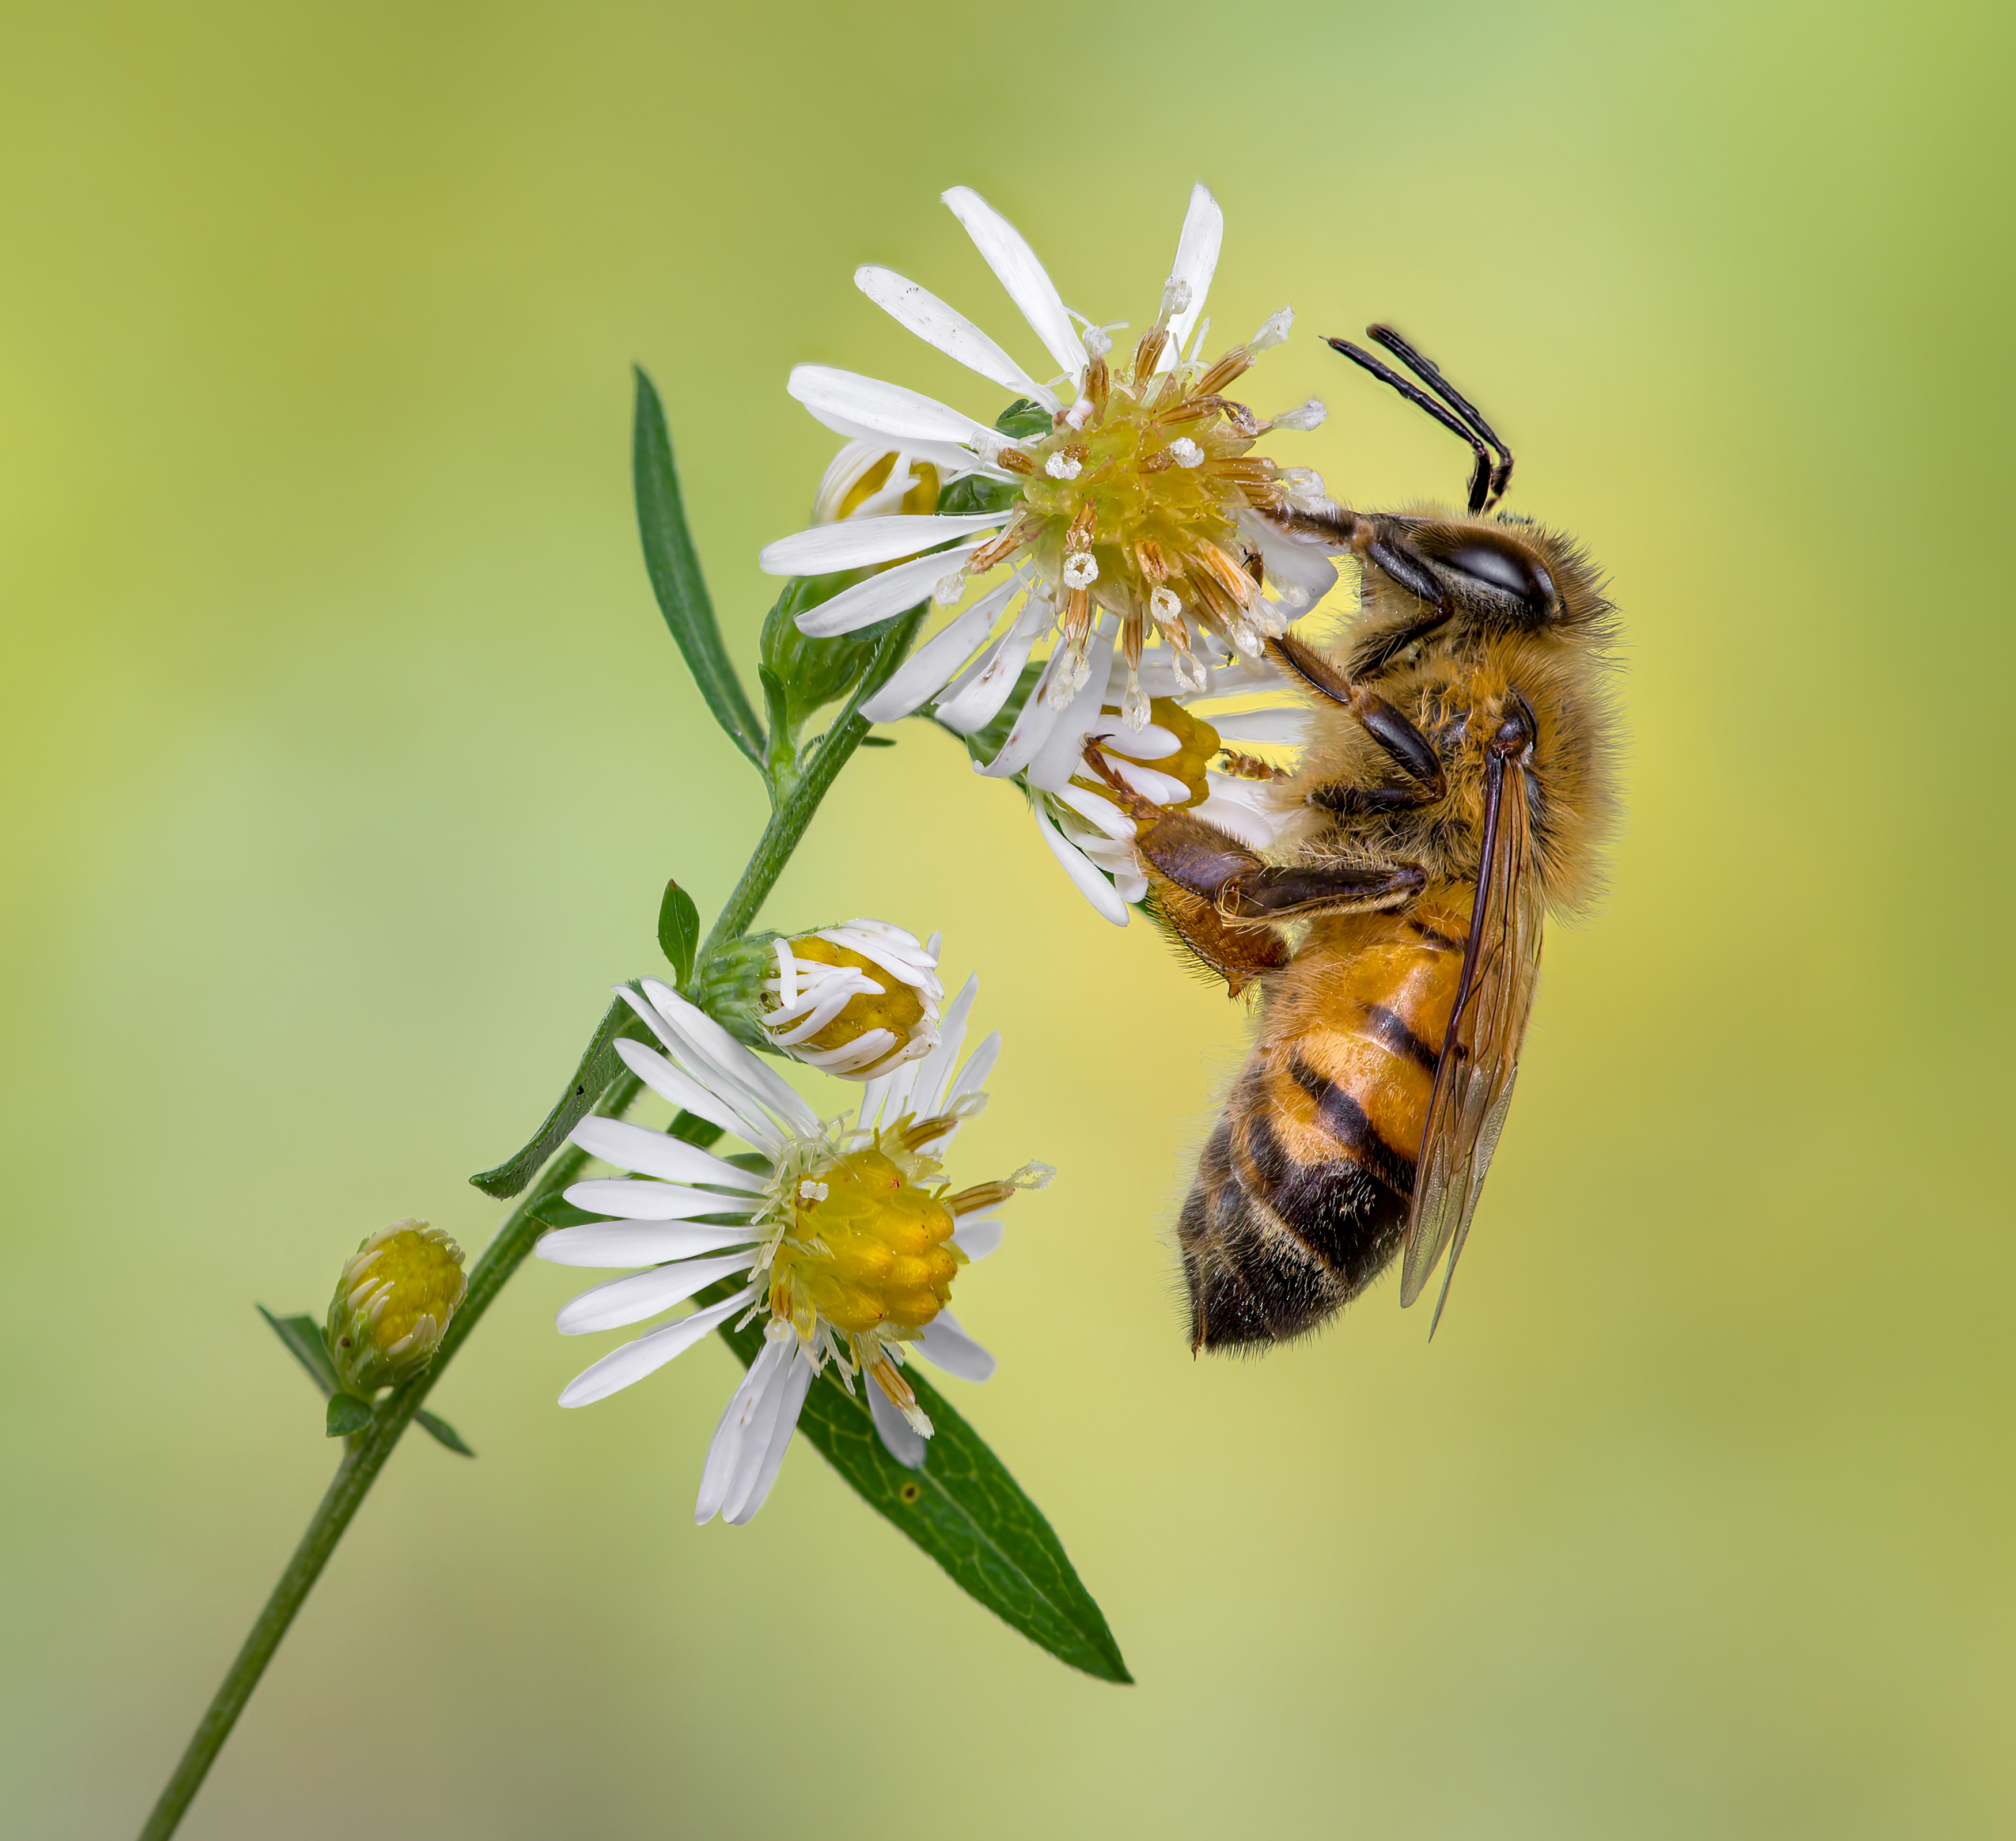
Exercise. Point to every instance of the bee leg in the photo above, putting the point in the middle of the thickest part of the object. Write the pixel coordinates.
(1405, 744)
(1280, 892)
(1238, 954)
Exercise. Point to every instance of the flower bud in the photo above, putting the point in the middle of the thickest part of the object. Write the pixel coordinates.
(856, 1000)
(392, 1305)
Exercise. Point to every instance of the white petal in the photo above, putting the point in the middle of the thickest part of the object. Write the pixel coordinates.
(646, 1356)
(654, 1154)
(928, 669)
(729, 1097)
(1281, 724)
(1196, 263)
(895, 590)
(988, 682)
(877, 408)
(950, 458)
(674, 1083)
(757, 1430)
(1061, 757)
(645, 1294)
(637, 1243)
(645, 1200)
(901, 1439)
(1299, 565)
(858, 542)
(1238, 813)
(979, 1065)
(978, 1237)
(791, 1402)
(1097, 810)
(934, 1071)
(937, 324)
(1027, 282)
(1161, 789)
(1033, 725)
(1091, 884)
(729, 1057)
(725, 1446)
(948, 1345)
(1152, 743)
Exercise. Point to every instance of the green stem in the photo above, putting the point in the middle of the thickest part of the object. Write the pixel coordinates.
(354, 1475)
(801, 797)
(368, 1451)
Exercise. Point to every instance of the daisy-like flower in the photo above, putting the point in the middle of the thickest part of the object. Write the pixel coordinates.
(1126, 498)
(1180, 759)
(857, 1000)
(846, 1244)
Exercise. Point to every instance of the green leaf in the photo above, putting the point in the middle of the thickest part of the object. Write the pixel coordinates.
(1023, 419)
(675, 575)
(447, 1435)
(964, 1509)
(678, 930)
(302, 1337)
(599, 1065)
(878, 741)
(974, 494)
(347, 1414)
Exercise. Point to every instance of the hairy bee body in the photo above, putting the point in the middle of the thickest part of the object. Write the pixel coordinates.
(1302, 1194)
(1304, 1190)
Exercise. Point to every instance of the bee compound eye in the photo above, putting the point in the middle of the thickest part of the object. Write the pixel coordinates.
(1504, 572)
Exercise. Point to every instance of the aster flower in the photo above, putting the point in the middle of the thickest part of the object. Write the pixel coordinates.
(1121, 498)
(846, 1243)
(1180, 759)
(858, 1000)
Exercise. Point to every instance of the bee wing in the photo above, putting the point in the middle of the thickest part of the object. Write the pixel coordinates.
(1480, 1056)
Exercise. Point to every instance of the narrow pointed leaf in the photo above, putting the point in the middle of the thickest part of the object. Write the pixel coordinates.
(302, 1337)
(599, 1066)
(678, 930)
(674, 565)
(965, 1511)
(440, 1428)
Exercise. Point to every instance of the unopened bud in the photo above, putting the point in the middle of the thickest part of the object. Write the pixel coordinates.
(856, 1000)
(392, 1305)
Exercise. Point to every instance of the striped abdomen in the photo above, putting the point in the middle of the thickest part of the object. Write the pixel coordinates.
(1302, 1192)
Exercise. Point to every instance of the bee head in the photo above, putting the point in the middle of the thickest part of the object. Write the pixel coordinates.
(1487, 571)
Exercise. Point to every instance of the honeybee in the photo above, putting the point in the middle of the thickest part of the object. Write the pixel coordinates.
(1456, 789)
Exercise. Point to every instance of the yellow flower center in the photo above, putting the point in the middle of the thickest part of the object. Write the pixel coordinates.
(899, 1009)
(866, 1249)
(427, 1279)
(923, 497)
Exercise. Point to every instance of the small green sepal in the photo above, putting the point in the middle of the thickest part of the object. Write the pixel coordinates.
(303, 1338)
(439, 1429)
(678, 930)
(347, 1414)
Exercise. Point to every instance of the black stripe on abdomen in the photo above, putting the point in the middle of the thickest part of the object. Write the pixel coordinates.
(1344, 1119)
(1390, 1032)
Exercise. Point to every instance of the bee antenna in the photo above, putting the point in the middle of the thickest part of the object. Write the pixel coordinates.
(1431, 373)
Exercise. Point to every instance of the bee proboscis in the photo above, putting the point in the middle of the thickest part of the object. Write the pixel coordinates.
(1455, 790)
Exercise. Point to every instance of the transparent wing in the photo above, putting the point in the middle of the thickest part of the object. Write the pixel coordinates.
(1480, 1057)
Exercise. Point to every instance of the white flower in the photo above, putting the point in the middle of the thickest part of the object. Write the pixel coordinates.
(845, 1254)
(1143, 480)
(1171, 760)
(857, 999)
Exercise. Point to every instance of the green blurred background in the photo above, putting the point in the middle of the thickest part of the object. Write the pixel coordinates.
(345, 756)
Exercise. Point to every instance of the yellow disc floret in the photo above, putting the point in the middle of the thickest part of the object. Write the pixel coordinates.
(393, 1303)
(868, 1249)
(899, 1008)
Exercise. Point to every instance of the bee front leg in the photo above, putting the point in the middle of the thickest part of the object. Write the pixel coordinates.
(1404, 744)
